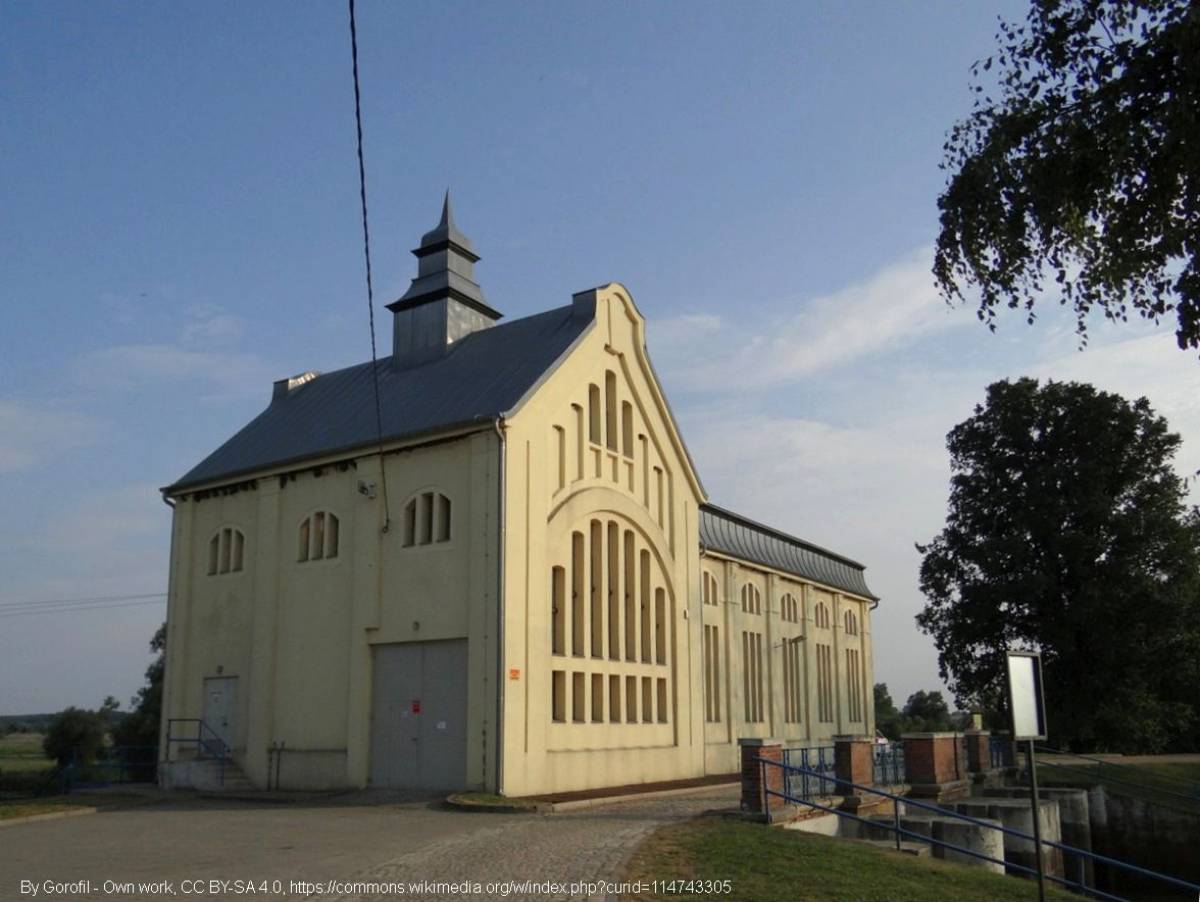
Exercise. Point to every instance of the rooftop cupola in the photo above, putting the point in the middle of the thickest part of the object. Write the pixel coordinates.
(444, 303)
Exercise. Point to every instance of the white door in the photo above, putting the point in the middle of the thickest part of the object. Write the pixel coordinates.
(220, 703)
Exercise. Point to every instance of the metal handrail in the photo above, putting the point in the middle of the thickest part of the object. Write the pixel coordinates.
(955, 815)
(212, 746)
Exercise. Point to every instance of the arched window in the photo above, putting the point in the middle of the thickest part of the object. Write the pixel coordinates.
(318, 537)
(851, 624)
(751, 599)
(789, 608)
(821, 616)
(709, 589)
(226, 551)
(427, 520)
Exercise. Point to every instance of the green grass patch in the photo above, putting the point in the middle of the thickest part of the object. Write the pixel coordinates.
(30, 807)
(769, 864)
(21, 752)
(1173, 785)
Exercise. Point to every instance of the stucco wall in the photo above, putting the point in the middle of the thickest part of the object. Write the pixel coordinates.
(297, 635)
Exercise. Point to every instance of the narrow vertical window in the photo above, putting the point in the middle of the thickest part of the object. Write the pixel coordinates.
(597, 600)
(214, 546)
(425, 513)
(318, 537)
(644, 601)
(443, 518)
(658, 493)
(578, 699)
(645, 471)
(578, 440)
(610, 409)
(660, 626)
(239, 550)
(226, 547)
(661, 708)
(614, 699)
(409, 537)
(631, 694)
(647, 700)
(302, 554)
(614, 590)
(558, 630)
(627, 429)
(577, 589)
(558, 695)
(630, 588)
(594, 415)
(560, 442)
(597, 698)
(331, 535)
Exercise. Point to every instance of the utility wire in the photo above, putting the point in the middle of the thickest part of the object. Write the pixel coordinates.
(87, 599)
(78, 608)
(362, 194)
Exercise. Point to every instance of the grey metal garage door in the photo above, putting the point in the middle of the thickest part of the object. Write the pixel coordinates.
(419, 715)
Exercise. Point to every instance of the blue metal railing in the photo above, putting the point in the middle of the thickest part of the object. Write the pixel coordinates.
(1000, 751)
(208, 744)
(116, 764)
(888, 763)
(900, 831)
(817, 760)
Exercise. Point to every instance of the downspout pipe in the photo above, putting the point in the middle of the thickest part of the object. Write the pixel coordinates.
(498, 425)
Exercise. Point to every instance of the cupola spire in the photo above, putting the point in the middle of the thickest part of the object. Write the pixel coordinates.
(444, 303)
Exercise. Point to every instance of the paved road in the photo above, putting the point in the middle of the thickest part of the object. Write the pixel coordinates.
(355, 840)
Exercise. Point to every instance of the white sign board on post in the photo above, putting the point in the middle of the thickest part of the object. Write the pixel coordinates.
(1025, 695)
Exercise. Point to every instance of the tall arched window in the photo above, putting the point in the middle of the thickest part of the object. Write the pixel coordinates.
(318, 537)
(226, 551)
(751, 599)
(789, 608)
(427, 520)
(710, 588)
(821, 616)
(851, 624)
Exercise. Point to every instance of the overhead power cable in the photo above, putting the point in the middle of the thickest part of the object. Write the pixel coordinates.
(78, 607)
(85, 599)
(362, 194)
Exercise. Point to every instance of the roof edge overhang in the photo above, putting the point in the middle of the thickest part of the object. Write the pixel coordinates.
(358, 449)
(707, 551)
(780, 534)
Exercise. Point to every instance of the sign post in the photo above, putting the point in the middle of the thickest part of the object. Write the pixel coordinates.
(1027, 707)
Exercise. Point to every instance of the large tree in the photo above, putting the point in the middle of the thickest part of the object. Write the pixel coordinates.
(1068, 531)
(1077, 171)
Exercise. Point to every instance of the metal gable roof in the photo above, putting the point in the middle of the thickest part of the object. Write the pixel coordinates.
(728, 533)
(483, 375)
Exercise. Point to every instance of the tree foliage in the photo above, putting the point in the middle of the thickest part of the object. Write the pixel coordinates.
(924, 712)
(1067, 531)
(1084, 168)
(140, 726)
(76, 735)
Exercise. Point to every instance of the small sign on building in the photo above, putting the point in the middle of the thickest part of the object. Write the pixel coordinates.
(514, 673)
(416, 706)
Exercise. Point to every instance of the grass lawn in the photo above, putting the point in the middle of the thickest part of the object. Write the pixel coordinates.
(20, 752)
(1161, 783)
(770, 864)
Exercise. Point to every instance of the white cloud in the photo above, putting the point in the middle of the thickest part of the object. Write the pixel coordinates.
(210, 326)
(891, 309)
(31, 435)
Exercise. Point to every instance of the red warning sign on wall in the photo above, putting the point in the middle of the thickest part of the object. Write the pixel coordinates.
(416, 706)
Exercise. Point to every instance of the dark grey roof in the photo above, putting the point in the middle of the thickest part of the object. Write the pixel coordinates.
(482, 376)
(732, 534)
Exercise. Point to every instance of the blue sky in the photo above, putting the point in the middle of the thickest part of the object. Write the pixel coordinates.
(181, 227)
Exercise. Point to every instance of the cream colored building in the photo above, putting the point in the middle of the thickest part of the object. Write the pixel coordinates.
(507, 576)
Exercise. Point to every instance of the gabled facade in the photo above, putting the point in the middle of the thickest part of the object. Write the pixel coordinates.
(521, 587)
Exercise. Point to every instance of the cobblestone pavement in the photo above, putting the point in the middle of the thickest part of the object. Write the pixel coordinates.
(400, 840)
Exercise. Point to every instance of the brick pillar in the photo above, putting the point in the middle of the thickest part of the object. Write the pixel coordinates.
(979, 753)
(936, 765)
(754, 797)
(853, 762)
